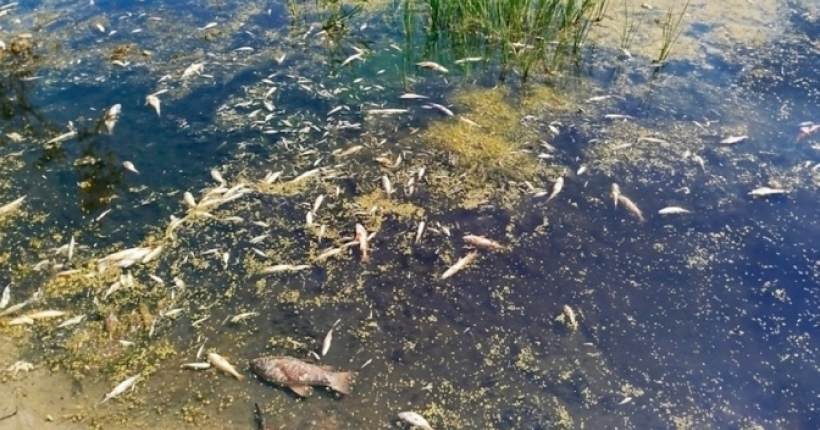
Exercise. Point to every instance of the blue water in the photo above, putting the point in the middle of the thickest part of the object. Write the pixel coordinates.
(708, 317)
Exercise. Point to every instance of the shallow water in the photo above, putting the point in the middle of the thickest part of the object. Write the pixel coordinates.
(702, 320)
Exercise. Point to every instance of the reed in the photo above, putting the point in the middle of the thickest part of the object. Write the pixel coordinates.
(671, 30)
(630, 28)
(523, 35)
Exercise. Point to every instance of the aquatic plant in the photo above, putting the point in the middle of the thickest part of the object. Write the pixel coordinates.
(671, 30)
(526, 35)
(630, 29)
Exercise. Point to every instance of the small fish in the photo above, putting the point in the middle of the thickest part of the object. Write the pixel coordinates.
(208, 25)
(460, 264)
(625, 401)
(441, 108)
(483, 242)
(766, 192)
(22, 320)
(6, 297)
(299, 376)
(153, 101)
(581, 170)
(429, 65)
(415, 420)
(111, 116)
(71, 248)
(386, 111)
(556, 188)
(631, 206)
(283, 268)
(469, 60)
(220, 363)
(40, 315)
(568, 318)
(420, 231)
(100, 27)
(327, 254)
(469, 122)
(130, 166)
(412, 96)
(673, 210)
(196, 366)
(616, 194)
(188, 198)
(305, 175)
(72, 321)
(361, 238)
(318, 203)
(388, 187)
(309, 218)
(329, 338)
(121, 388)
(242, 317)
(193, 69)
(731, 140)
(11, 207)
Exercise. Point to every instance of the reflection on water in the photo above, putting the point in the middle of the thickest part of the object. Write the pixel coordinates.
(698, 320)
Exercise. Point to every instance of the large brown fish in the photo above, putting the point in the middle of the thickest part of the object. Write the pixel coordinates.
(299, 376)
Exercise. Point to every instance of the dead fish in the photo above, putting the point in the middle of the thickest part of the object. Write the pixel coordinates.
(193, 69)
(196, 366)
(415, 420)
(412, 96)
(208, 25)
(188, 198)
(556, 188)
(731, 140)
(329, 253)
(305, 175)
(766, 192)
(460, 264)
(318, 203)
(6, 298)
(329, 338)
(469, 122)
(348, 60)
(40, 315)
(238, 318)
(72, 321)
(121, 388)
(625, 401)
(361, 238)
(130, 166)
(14, 308)
(349, 151)
(386, 111)
(112, 115)
(673, 210)
(430, 65)
(568, 317)
(388, 187)
(299, 376)
(283, 268)
(220, 363)
(581, 170)
(631, 206)
(616, 194)
(71, 248)
(309, 219)
(153, 101)
(22, 320)
(441, 108)
(11, 207)
(483, 242)
(420, 231)
(468, 60)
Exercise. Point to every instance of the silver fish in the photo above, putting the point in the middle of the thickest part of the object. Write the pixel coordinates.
(6, 298)
(616, 194)
(120, 388)
(430, 65)
(196, 366)
(72, 321)
(766, 192)
(631, 206)
(460, 264)
(731, 140)
(556, 188)
(329, 338)
(11, 207)
(673, 210)
(420, 231)
(153, 101)
(130, 166)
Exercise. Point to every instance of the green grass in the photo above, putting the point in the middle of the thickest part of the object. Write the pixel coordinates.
(524, 36)
(671, 30)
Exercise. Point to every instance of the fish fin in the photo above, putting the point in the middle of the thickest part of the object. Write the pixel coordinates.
(239, 377)
(340, 382)
(300, 390)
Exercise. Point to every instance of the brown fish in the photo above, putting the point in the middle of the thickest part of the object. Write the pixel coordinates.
(299, 375)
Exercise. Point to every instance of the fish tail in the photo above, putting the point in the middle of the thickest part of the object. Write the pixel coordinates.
(340, 382)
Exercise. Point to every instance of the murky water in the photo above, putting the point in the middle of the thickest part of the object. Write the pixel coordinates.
(692, 321)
